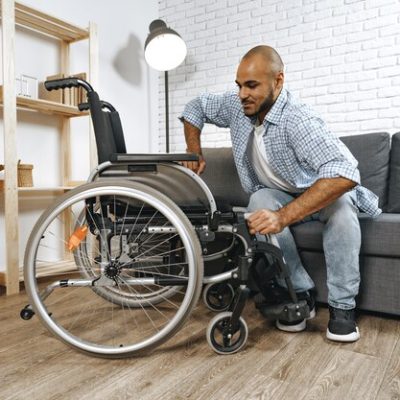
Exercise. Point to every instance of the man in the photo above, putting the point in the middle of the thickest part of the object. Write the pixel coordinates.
(294, 168)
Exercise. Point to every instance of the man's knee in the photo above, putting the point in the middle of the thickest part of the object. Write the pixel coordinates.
(341, 219)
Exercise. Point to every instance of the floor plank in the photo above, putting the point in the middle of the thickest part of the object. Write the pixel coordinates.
(390, 387)
(274, 365)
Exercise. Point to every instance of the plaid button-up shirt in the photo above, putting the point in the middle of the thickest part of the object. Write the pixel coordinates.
(299, 146)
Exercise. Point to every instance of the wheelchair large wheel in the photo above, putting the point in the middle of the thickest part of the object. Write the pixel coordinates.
(146, 247)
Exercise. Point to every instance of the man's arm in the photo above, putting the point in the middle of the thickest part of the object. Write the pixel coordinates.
(322, 193)
(207, 108)
(193, 145)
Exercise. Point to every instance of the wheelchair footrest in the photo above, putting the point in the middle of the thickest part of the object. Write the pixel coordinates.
(288, 312)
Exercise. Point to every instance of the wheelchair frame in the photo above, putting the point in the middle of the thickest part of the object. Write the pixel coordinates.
(136, 253)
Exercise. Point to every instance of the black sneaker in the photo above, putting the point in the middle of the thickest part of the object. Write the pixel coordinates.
(342, 325)
(299, 325)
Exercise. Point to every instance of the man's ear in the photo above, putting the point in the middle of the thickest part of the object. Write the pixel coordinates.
(280, 79)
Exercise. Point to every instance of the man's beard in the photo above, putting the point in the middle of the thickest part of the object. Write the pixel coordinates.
(266, 105)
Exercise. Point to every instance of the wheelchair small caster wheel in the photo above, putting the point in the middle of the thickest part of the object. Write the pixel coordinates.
(26, 313)
(218, 296)
(223, 338)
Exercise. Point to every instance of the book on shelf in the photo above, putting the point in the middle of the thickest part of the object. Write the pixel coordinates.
(54, 95)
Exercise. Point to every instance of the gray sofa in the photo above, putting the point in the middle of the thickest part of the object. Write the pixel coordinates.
(378, 155)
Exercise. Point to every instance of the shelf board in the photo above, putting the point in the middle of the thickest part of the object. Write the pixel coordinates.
(45, 269)
(46, 189)
(47, 24)
(34, 189)
(45, 106)
(49, 107)
(55, 268)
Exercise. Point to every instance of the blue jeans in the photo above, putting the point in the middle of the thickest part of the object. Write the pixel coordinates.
(341, 244)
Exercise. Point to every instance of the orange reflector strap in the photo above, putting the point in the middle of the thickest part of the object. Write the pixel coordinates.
(77, 237)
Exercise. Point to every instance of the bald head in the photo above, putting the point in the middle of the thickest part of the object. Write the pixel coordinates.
(270, 56)
(260, 80)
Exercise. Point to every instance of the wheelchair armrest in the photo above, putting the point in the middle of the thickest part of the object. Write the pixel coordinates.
(151, 158)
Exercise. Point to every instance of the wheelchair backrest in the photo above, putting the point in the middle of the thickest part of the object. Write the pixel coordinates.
(107, 128)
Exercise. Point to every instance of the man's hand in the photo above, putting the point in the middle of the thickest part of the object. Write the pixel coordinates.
(196, 166)
(264, 222)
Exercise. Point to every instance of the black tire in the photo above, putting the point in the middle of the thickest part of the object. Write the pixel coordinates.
(218, 336)
(218, 296)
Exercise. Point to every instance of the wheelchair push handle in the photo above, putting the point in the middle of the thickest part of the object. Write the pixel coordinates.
(56, 84)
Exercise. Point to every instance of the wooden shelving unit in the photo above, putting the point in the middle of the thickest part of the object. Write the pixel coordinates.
(16, 14)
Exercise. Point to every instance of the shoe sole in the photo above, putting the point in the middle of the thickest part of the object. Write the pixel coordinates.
(351, 337)
(298, 327)
(292, 328)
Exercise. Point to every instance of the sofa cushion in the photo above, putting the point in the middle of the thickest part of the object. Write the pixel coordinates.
(372, 151)
(222, 178)
(380, 236)
(393, 205)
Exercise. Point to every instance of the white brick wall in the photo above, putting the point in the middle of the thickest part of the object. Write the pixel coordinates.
(342, 57)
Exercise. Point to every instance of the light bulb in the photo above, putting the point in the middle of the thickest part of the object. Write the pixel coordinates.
(165, 52)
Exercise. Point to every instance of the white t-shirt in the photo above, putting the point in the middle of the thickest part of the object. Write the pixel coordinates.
(262, 167)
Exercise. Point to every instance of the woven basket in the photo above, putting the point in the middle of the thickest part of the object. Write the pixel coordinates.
(25, 178)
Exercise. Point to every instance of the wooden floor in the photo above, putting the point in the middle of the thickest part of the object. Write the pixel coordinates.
(274, 365)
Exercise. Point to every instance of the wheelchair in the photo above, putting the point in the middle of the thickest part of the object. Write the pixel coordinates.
(139, 242)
